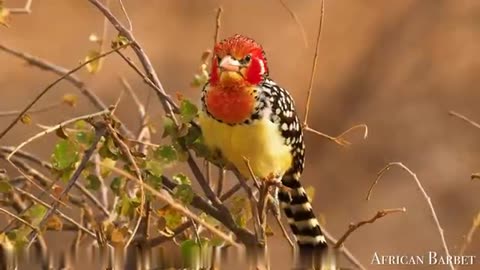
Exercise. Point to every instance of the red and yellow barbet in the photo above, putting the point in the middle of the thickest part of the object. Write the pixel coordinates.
(245, 114)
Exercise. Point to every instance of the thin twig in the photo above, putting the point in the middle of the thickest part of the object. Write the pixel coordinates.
(55, 128)
(297, 21)
(469, 236)
(354, 226)
(146, 63)
(125, 13)
(126, 151)
(47, 182)
(343, 250)
(340, 138)
(26, 9)
(44, 91)
(148, 81)
(314, 66)
(23, 221)
(39, 110)
(425, 195)
(61, 214)
(100, 131)
(61, 71)
(218, 21)
(464, 118)
(284, 230)
(166, 198)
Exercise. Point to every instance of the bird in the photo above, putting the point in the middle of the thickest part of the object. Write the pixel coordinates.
(245, 115)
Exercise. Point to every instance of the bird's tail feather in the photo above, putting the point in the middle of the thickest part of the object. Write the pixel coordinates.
(300, 215)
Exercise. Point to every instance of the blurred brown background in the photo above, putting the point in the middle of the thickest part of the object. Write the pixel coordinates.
(398, 66)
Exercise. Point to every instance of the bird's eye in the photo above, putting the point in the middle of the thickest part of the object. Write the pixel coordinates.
(247, 58)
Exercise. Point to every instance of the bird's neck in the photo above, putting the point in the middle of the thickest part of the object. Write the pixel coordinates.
(233, 104)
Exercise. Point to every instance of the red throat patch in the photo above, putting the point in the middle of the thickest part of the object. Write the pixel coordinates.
(232, 106)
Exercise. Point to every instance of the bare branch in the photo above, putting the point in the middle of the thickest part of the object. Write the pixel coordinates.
(464, 118)
(354, 226)
(70, 77)
(475, 176)
(61, 214)
(471, 232)
(125, 13)
(425, 195)
(147, 65)
(100, 131)
(297, 21)
(56, 127)
(39, 110)
(314, 66)
(44, 91)
(23, 221)
(166, 198)
(26, 9)
(344, 251)
(218, 20)
(340, 138)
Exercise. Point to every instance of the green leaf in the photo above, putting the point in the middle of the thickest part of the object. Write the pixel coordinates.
(173, 218)
(93, 182)
(95, 65)
(109, 149)
(165, 153)
(105, 170)
(154, 167)
(188, 111)
(5, 186)
(241, 210)
(192, 252)
(116, 185)
(154, 181)
(128, 205)
(26, 119)
(169, 128)
(184, 193)
(35, 214)
(181, 179)
(65, 155)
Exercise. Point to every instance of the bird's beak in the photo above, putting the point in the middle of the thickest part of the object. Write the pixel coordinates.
(229, 64)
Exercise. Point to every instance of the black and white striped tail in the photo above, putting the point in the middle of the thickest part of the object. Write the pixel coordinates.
(300, 215)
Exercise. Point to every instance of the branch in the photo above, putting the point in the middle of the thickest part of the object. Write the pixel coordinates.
(425, 195)
(23, 221)
(100, 131)
(166, 198)
(464, 118)
(61, 71)
(26, 9)
(42, 109)
(343, 250)
(218, 20)
(354, 226)
(314, 66)
(147, 65)
(44, 91)
(471, 232)
(475, 176)
(297, 21)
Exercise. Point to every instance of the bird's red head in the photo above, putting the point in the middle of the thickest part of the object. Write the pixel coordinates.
(238, 66)
(236, 61)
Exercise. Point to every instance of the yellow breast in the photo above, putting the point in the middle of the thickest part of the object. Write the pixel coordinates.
(260, 142)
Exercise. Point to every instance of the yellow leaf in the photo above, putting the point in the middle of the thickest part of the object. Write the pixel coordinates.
(4, 16)
(118, 236)
(95, 65)
(26, 119)
(54, 223)
(70, 100)
(94, 38)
